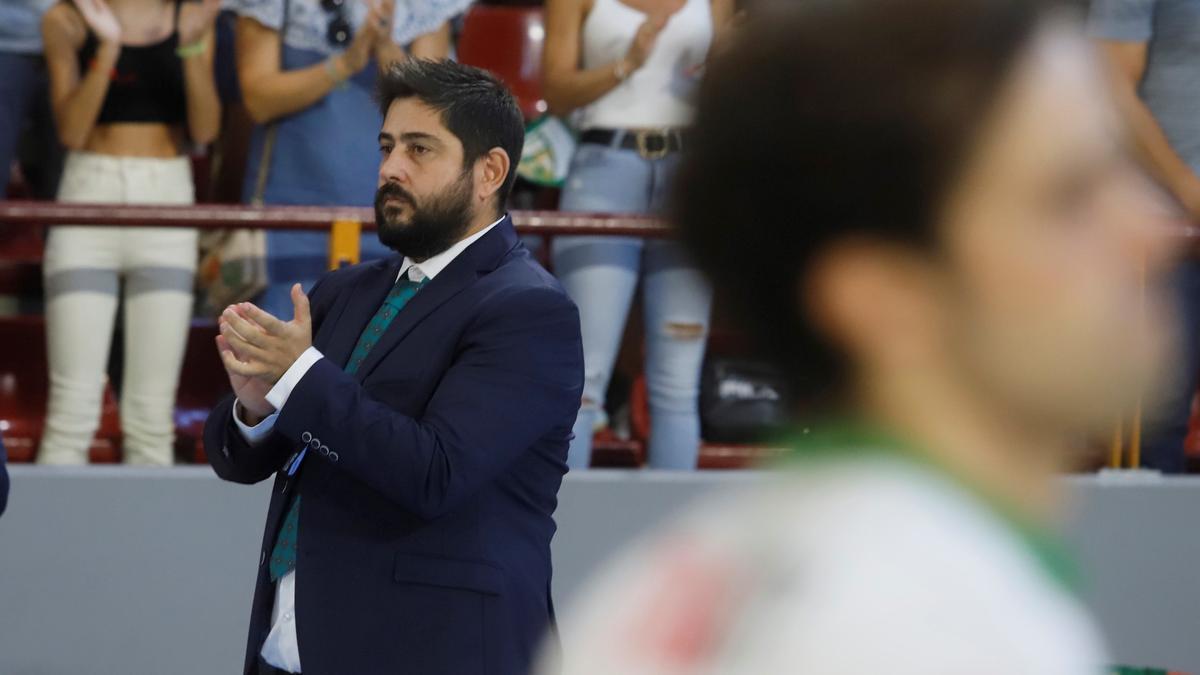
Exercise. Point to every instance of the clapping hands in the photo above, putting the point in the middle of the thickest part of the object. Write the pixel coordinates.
(100, 18)
(257, 348)
(374, 38)
(647, 35)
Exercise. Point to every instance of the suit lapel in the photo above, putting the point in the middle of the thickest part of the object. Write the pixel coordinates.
(480, 257)
(361, 301)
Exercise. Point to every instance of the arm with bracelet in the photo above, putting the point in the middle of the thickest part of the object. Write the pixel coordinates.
(270, 91)
(567, 85)
(77, 93)
(196, 40)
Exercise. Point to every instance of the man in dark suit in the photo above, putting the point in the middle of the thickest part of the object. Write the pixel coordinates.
(415, 413)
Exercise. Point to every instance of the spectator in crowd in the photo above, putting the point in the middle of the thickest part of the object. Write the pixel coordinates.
(946, 238)
(1153, 49)
(307, 70)
(24, 101)
(132, 88)
(629, 69)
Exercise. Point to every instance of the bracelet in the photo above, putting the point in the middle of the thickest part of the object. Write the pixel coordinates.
(194, 49)
(334, 72)
(621, 70)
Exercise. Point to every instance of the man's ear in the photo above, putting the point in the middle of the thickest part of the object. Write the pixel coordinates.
(877, 301)
(491, 171)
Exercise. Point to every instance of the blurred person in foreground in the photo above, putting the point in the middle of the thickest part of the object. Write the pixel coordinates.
(1153, 50)
(415, 416)
(307, 69)
(24, 98)
(941, 238)
(132, 88)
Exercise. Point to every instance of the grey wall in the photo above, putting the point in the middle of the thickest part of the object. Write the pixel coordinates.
(130, 572)
(1138, 540)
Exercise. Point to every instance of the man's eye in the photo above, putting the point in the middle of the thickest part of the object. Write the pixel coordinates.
(385, 150)
(418, 149)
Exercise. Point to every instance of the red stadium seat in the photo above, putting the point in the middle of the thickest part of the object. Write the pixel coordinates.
(508, 42)
(611, 452)
(20, 260)
(23, 391)
(1191, 444)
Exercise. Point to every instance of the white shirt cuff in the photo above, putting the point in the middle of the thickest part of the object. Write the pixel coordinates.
(253, 434)
(279, 394)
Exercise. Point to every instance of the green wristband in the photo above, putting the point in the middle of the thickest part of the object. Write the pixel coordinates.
(194, 49)
(335, 73)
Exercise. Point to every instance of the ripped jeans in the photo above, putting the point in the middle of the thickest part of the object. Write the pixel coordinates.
(601, 275)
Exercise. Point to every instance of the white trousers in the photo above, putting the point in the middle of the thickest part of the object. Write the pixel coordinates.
(84, 268)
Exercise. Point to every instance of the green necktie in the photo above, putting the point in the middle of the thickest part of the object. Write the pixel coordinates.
(283, 556)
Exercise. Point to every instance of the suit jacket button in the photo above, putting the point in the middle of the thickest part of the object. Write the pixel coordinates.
(333, 456)
(306, 437)
(225, 451)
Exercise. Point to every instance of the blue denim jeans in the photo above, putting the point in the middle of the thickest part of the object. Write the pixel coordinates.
(601, 274)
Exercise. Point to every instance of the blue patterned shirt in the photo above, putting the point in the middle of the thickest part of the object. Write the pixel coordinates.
(21, 25)
(308, 22)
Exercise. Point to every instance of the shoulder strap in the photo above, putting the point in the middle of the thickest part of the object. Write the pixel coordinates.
(264, 160)
(287, 5)
(178, 7)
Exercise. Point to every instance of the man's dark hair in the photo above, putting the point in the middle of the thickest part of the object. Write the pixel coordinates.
(830, 119)
(474, 105)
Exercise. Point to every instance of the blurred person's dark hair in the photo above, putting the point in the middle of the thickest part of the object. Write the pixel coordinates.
(474, 106)
(835, 119)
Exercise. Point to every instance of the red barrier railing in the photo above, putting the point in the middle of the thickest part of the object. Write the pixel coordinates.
(347, 222)
(221, 216)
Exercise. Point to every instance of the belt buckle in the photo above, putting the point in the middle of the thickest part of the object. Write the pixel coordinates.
(660, 137)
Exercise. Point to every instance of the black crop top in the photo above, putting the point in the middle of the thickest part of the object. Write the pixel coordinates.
(147, 82)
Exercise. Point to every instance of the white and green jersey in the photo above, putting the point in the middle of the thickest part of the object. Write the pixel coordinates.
(845, 565)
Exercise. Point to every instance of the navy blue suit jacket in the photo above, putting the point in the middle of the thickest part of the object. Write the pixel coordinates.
(426, 519)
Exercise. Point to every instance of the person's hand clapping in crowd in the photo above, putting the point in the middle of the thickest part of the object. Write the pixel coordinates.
(374, 29)
(386, 50)
(196, 21)
(646, 37)
(104, 25)
(100, 18)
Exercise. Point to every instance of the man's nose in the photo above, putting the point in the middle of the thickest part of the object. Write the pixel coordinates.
(393, 170)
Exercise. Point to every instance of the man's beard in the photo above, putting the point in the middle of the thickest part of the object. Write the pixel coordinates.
(433, 227)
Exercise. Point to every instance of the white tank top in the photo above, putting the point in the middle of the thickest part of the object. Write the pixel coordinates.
(659, 94)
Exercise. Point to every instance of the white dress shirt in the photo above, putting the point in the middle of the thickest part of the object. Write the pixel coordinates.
(281, 648)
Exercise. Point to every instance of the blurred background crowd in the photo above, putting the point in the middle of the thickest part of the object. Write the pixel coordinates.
(108, 330)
